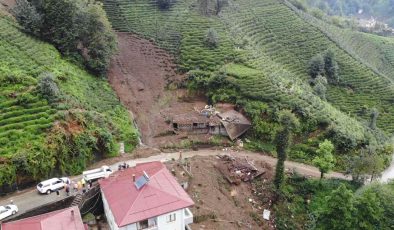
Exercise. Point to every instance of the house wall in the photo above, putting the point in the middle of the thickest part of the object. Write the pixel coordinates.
(178, 224)
(218, 130)
(129, 227)
(108, 214)
(162, 223)
(200, 128)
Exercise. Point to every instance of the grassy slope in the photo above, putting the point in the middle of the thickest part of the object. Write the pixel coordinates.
(25, 58)
(272, 38)
(286, 39)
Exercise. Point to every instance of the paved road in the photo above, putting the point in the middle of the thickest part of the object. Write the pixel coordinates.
(29, 199)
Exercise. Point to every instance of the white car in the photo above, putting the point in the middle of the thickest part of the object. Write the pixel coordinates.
(7, 210)
(52, 185)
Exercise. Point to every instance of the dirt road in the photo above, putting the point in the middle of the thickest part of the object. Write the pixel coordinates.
(28, 199)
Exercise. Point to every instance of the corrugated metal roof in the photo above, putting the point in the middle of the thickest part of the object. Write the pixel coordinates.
(235, 123)
(162, 194)
(62, 219)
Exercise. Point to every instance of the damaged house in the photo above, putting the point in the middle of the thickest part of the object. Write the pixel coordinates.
(230, 123)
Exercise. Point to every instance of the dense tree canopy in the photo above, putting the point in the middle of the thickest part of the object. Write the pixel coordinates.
(79, 29)
(370, 207)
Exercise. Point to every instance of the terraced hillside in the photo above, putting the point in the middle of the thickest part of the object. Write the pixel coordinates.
(87, 109)
(179, 29)
(285, 38)
(270, 36)
(374, 51)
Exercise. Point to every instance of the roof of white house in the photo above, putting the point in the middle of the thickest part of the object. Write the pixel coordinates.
(159, 195)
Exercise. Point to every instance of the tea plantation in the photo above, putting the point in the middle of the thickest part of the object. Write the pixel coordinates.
(37, 134)
(264, 49)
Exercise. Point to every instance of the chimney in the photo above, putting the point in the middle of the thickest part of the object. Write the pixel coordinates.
(133, 177)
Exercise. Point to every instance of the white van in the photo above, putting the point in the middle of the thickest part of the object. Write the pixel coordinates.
(52, 185)
(94, 174)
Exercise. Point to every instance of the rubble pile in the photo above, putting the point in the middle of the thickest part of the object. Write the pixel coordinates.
(236, 170)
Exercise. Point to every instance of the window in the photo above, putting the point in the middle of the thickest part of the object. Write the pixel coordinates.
(171, 217)
(142, 225)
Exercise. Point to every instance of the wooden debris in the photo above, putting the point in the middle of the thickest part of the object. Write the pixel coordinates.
(236, 170)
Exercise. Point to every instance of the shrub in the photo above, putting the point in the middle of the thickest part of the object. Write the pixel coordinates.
(164, 4)
(24, 99)
(212, 38)
(320, 87)
(48, 87)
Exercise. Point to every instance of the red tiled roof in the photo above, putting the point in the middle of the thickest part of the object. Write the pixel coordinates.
(60, 220)
(162, 194)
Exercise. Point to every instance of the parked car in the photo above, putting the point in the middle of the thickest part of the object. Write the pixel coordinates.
(94, 174)
(7, 210)
(52, 185)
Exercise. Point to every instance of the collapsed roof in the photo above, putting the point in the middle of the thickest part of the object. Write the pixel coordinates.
(235, 123)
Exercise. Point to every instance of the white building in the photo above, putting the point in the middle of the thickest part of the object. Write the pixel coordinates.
(147, 197)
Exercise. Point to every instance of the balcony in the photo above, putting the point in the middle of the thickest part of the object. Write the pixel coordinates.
(188, 216)
(149, 224)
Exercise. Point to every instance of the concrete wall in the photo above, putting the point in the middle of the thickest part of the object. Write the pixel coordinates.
(108, 214)
(178, 224)
(162, 223)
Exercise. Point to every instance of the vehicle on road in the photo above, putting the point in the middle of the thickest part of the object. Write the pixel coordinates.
(52, 185)
(8, 210)
(94, 174)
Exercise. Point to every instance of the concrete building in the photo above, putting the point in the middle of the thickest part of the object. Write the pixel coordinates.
(145, 197)
(64, 219)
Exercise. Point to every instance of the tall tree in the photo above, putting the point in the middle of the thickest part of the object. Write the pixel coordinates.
(77, 28)
(324, 159)
(331, 67)
(374, 118)
(60, 18)
(316, 66)
(369, 162)
(28, 17)
(289, 123)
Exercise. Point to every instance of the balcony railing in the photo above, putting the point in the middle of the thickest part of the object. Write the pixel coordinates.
(188, 216)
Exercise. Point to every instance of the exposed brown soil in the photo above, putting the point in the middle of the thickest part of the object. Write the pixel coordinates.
(8, 3)
(5, 6)
(219, 204)
(141, 74)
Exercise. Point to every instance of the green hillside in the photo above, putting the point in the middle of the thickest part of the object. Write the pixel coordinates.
(269, 39)
(374, 51)
(39, 137)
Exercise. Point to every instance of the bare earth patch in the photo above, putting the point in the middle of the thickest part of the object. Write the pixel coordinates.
(141, 74)
(219, 204)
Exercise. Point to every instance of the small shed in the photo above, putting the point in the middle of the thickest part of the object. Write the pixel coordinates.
(235, 123)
